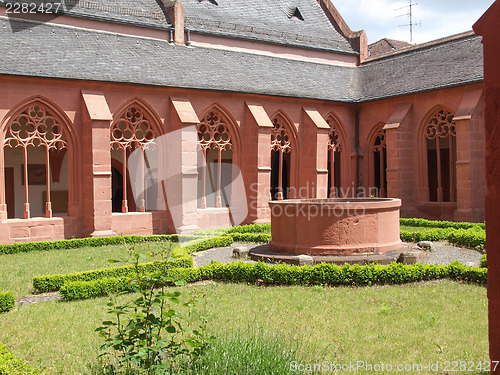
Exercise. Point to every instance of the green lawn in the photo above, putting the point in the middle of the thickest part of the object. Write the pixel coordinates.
(434, 321)
(17, 270)
(414, 229)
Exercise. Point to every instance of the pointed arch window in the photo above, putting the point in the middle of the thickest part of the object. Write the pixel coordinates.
(214, 139)
(38, 129)
(281, 149)
(440, 138)
(132, 130)
(378, 153)
(334, 159)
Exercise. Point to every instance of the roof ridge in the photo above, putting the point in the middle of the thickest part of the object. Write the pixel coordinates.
(421, 46)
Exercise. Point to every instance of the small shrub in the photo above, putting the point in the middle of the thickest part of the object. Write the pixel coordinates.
(484, 264)
(148, 335)
(10, 365)
(7, 302)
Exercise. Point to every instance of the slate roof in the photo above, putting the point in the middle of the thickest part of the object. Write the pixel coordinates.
(386, 45)
(447, 62)
(268, 20)
(73, 53)
(55, 51)
(146, 13)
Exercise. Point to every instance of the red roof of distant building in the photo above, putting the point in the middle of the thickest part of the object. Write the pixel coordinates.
(386, 45)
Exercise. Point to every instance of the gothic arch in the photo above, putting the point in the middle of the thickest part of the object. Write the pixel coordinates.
(149, 112)
(218, 138)
(447, 125)
(135, 125)
(376, 152)
(232, 124)
(336, 123)
(293, 148)
(73, 145)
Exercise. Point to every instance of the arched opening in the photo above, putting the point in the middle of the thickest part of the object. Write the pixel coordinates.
(215, 139)
(281, 149)
(378, 153)
(335, 148)
(285, 177)
(35, 162)
(441, 152)
(133, 133)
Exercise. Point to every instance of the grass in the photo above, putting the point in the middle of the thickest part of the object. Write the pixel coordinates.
(22, 267)
(414, 229)
(434, 321)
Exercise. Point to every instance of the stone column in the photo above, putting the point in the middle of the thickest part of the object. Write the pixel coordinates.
(399, 160)
(3, 204)
(258, 128)
(97, 208)
(488, 26)
(316, 123)
(464, 164)
(179, 153)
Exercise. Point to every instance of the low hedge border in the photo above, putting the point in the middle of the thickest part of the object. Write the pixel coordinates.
(11, 365)
(90, 241)
(52, 283)
(439, 224)
(281, 274)
(474, 237)
(7, 302)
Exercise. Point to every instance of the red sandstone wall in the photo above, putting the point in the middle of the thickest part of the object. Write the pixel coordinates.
(303, 177)
(411, 170)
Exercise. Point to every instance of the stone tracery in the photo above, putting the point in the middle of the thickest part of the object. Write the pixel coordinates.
(213, 133)
(36, 127)
(133, 130)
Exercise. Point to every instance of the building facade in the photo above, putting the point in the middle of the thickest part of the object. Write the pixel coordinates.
(191, 95)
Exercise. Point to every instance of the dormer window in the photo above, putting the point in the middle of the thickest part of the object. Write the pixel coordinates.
(292, 11)
(209, 1)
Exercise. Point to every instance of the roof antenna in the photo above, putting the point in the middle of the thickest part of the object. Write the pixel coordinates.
(410, 15)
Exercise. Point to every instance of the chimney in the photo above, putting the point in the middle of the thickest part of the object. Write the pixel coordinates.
(175, 12)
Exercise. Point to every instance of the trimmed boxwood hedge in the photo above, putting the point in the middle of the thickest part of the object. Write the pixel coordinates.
(281, 274)
(474, 237)
(90, 241)
(7, 302)
(331, 274)
(52, 283)
(76, 290)
(484, 264)
(439, 224)
(10, 365)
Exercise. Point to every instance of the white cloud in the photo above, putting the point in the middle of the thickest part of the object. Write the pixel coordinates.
(434, 19)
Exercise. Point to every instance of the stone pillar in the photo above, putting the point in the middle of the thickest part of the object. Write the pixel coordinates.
(3, 204)
(464, 164)
(97, 208)
(391, 145)
(313, 121)
(489, 27)
(179, 152)
(258, 128)
(398, 157)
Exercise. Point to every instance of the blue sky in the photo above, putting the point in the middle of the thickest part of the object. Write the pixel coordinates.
(438, 18)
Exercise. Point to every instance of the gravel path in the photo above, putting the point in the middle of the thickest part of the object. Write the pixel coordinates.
(442, 253)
